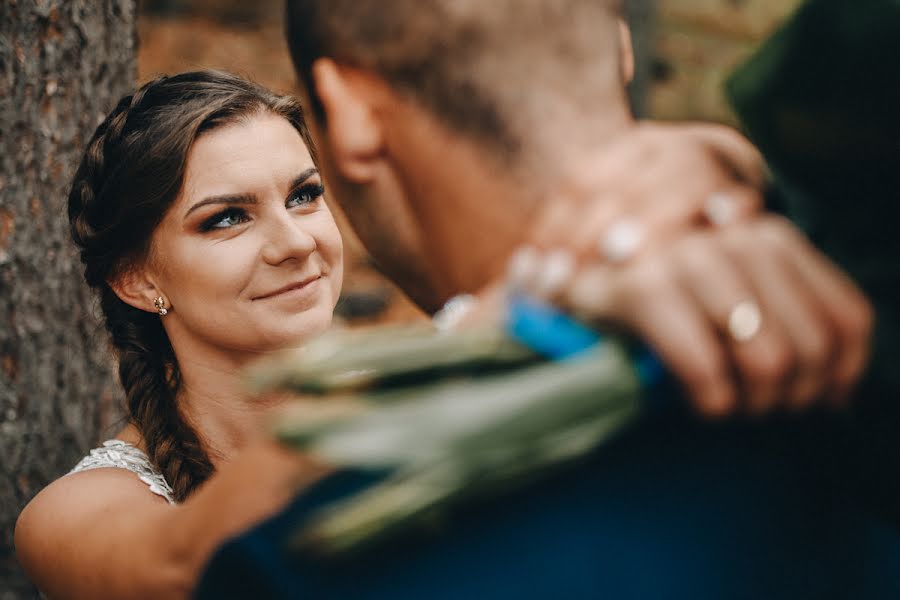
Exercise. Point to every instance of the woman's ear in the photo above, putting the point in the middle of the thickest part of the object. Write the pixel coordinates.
(626, 52)
(353, 133)
(135, 288)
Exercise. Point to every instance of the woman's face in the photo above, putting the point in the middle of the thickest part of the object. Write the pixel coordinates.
(249, 256)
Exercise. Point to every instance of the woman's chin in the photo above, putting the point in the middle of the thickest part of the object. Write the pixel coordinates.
(296, 331)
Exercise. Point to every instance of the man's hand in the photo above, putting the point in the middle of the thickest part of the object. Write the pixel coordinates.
(739, 307)
(657, 182)
(803, 335)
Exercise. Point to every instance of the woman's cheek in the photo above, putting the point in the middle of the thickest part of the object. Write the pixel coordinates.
(331, 247)
(337, 264)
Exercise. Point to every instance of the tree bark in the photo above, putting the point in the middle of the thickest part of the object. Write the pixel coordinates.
(63, 65)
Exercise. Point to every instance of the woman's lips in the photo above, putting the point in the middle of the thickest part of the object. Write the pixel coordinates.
(293, 288)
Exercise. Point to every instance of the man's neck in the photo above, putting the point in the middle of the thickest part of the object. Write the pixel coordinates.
(476, 211)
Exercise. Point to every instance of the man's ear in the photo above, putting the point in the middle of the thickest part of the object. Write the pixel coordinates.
(626, 51)
(354, 134)
(135, 288)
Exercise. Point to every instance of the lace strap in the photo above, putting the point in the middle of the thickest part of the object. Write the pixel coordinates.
(122, 455)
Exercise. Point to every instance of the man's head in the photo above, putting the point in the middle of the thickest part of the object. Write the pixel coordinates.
(435, 113)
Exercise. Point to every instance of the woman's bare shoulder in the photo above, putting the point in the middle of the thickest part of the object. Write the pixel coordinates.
(69, 525)
(89, 491)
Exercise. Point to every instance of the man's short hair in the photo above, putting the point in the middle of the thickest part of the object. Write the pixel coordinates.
(486, 68)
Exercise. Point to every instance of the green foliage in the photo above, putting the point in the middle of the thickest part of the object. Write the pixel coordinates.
(449, 416)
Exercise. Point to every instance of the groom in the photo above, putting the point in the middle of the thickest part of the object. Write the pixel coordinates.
(463, 119)
(477, 123)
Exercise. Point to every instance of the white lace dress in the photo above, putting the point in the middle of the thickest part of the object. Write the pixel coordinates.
(122, 455)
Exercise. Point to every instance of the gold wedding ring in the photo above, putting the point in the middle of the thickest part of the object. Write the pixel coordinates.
(744, 321)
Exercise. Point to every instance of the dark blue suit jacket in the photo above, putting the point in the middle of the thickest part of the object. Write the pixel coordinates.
(673, 509)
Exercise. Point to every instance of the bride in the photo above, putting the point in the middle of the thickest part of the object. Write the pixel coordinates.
(199, 214)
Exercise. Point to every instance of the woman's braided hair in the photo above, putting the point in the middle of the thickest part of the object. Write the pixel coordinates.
(130, 174)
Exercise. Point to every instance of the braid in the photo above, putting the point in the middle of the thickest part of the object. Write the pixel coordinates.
(150, 376)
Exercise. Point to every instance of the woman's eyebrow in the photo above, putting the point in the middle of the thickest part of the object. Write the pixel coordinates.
(299, 179)
(225, 199)
(248, 198)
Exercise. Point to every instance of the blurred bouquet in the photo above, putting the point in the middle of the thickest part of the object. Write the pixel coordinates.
(447, 416)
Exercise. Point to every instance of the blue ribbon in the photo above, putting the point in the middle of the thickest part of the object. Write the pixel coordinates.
(556, 336)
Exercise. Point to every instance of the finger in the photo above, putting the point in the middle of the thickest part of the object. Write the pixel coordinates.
(808, 328)
(732, 204)
(719, 284)
(734, 151)
(554, 271)
(724, 205)
(845, 306)
(656, 220)
(586, 232)
(644, 299)
(522, 269)
(790, 308)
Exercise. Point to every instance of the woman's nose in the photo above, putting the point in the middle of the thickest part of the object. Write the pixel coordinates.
(286, 239)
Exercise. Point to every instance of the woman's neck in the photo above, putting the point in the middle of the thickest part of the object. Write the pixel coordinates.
(214, 399)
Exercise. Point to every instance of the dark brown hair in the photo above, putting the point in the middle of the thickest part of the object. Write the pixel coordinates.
(131, 173)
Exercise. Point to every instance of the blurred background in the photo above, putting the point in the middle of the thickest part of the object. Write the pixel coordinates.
(684, 49)
(62, 66)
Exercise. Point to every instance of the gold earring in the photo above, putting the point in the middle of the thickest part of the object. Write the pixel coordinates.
(160, 304)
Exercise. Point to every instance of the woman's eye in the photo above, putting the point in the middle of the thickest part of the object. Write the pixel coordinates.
(305, 195)
(225, 219)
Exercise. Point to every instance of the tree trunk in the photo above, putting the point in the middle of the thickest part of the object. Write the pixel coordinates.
(63, 64)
